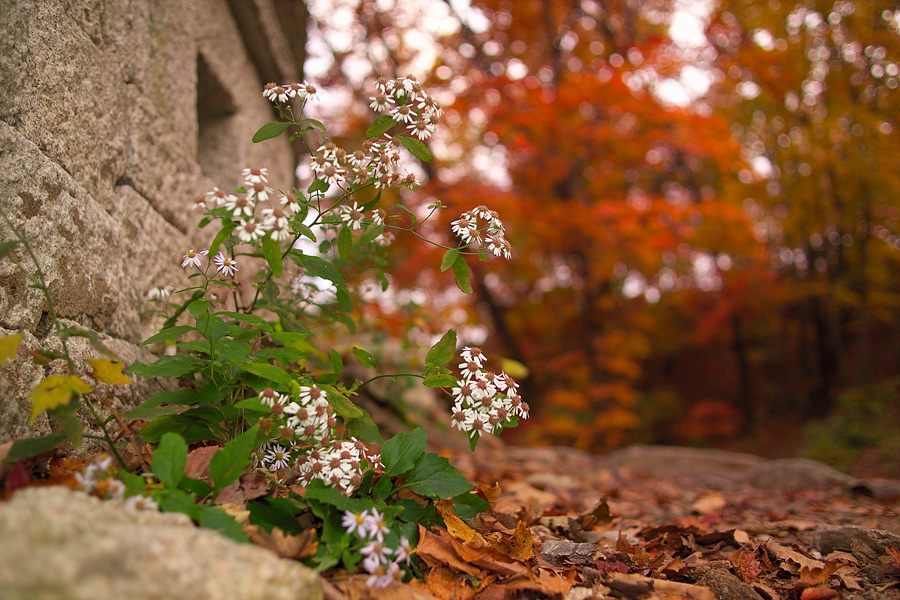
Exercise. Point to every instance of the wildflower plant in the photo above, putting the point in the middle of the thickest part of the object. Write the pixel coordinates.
(255, 385)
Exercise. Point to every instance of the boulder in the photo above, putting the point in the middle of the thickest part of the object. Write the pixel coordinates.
(59, 544)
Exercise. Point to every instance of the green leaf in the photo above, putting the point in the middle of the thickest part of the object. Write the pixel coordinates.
(450, 257)
(303, 229)
(196, 486)
(468, 505)
(168, 366)
(416, 147)
(226, 230)
(434, 477)
(318, 491)
(365, 429)
(149, 410)
(268, 372)
(272, 252)
(440, 380)
(229, 463)
(178, 311)
(315, 123)
(371, 232)
(345, 243)
(317, 186)
(400, 453)
(232, 351)
(461, 275)
(5, 247)
(269, 512)
(336, 361)
(380, 126)
(178, 501)
(341, 404)
(364, 358)
(28, 447)
(443, 351)
(213, 517)
(198, 307)
(169, 460)
(319, 267)
(270, 130)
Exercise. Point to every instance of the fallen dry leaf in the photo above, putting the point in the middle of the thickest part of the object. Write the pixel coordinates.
(436, 550)
(446, 584)
(818, 575)
(282, 544)
(455, 526)
(746, 566)
(197, 465)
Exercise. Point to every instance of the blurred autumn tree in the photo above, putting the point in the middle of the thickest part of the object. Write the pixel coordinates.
(811, 89)
(616, 204)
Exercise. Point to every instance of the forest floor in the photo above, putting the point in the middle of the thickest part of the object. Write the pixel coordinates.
(658, 523)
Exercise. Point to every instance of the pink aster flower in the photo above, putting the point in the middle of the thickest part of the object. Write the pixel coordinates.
(193, 258)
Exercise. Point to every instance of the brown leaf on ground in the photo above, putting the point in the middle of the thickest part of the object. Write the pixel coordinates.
(746, 566)
(197, 465)
(455, 526)
(436, 550)
(446, 584)
(597, 515)
(354, 587)
(491, 493)
(488, 558)
(819, 593)
(282, 544)
(818, 575)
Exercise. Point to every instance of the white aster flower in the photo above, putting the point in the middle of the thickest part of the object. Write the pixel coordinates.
(250, 230)
(352, 216)
(140, 502)
(355, 522)
(277, 457)
(254, 175)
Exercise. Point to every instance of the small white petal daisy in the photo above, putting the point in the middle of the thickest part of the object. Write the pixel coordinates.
(193, 258)
(225, 265)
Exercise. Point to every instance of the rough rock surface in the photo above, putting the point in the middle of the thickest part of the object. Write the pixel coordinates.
(114, 116)
(57, 544)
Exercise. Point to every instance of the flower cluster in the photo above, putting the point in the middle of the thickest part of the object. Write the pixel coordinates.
(482, 226)
(484, 402)
(273, 221)
(377, 162)
(405, 100)
(280, 94)
(225, 265)
(305, 441)
(381, 561)
(95, 479)
(158, 293)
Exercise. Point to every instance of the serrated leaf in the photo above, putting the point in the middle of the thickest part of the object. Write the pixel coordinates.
(229, 463)
(9, 345)
(400, 453)
(450, 257)
(107, 371)
(270, 130)
(345, 243)
(272, 252)
(168, 334)
(443, 351)
(55, 390)
(169, 459)
(440, 380)
(364, 358)
(416, 148)
(380, 126)
(434, 477)
(462, 275)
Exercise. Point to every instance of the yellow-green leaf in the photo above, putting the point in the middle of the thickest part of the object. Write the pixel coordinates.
(8, 346)
(54, 391)
(108, 371)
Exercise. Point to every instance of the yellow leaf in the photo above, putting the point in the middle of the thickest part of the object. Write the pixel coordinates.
(455, 526)
(54, 391)
(8, 346)
(108, 371)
